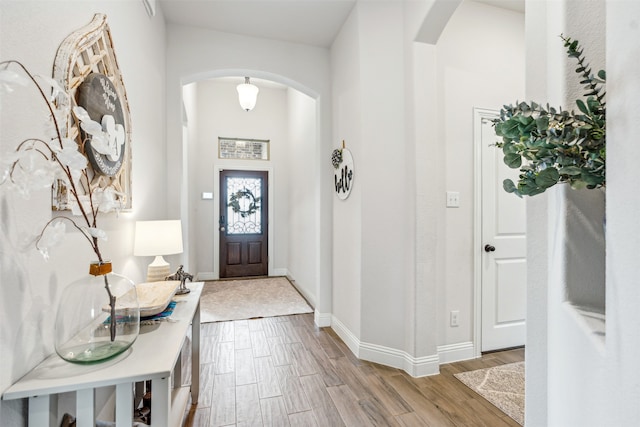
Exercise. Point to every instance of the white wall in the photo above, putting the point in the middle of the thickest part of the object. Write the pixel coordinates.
(622, 390)
(31, 32)
(190, 199)
(370, 227)
(405, 111)
(347, 126)
(578, 375)
(480, 63)
(382, 175)
(422, 305)
(561, 391)
(301, 173)
(536, 378)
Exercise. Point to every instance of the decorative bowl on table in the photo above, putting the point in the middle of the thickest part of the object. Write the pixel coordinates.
(154, 297)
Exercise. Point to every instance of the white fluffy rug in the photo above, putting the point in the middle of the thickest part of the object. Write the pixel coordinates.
(249, 298)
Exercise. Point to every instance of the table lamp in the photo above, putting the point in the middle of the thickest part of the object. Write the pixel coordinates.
(158, 238)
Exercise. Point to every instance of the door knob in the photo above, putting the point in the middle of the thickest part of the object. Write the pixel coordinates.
(489, 248)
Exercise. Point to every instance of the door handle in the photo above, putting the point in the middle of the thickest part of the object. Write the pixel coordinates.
(489, 248)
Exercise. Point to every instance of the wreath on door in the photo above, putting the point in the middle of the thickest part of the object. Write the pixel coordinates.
(254, 202)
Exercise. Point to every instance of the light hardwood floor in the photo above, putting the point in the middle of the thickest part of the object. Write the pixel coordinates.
(284, 371)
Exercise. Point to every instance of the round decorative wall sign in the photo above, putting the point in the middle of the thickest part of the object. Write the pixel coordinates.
(87, 69)
(343, 173)
(99, 97)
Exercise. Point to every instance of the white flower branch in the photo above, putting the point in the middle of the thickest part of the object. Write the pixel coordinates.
(52, 234)
(62, 159)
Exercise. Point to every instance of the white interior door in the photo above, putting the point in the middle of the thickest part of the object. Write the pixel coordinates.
(503, 247)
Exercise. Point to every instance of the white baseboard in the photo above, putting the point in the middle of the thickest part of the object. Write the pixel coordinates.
(322, 320)
(414, 366)
(210, 275)
(280, 272)
(456, 352)
(308, 297)
(346, 336)
(207, 275)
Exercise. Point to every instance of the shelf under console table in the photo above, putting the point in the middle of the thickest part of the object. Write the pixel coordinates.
(154, 356)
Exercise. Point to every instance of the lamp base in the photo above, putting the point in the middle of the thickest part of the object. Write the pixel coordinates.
(158, 270)
(157, 273)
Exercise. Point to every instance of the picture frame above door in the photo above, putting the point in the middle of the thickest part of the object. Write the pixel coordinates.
(243, 149)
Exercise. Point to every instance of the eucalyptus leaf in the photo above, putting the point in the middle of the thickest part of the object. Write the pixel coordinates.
(591, 179)
(524, 119)
(548, 177)
(508, 129)
(536, 191)
(527, 188)
(510, 149)
(513, 160)
(509, 186)
(542, 123)
(582, 106)
(571, 170)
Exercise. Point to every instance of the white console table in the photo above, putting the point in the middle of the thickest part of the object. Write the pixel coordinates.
(154, 356)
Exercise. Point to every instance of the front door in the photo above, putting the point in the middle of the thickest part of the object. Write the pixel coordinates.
(243, 223)
(503, 248)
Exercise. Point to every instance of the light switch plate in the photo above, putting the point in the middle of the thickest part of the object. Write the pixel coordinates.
(207, 195)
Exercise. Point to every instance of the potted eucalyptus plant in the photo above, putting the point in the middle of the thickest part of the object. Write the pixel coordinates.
(552, 146)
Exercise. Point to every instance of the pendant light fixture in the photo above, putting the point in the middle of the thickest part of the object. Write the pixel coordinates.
(247, 94)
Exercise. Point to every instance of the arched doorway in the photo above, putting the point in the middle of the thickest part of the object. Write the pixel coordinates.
(285, 117)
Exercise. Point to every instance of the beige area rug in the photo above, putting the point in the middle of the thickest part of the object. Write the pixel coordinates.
(249, 298)
(503, 386)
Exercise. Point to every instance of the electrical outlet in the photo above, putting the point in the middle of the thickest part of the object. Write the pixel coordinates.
(453, 199)
(453, 321)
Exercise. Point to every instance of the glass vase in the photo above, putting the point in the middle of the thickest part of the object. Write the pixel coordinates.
(98, 316)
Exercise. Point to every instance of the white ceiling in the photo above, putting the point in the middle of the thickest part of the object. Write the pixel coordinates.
(261, 83)
(311, 22)
(515, 5)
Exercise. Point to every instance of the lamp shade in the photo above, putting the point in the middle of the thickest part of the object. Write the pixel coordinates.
(154, 238)
(247, 94)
